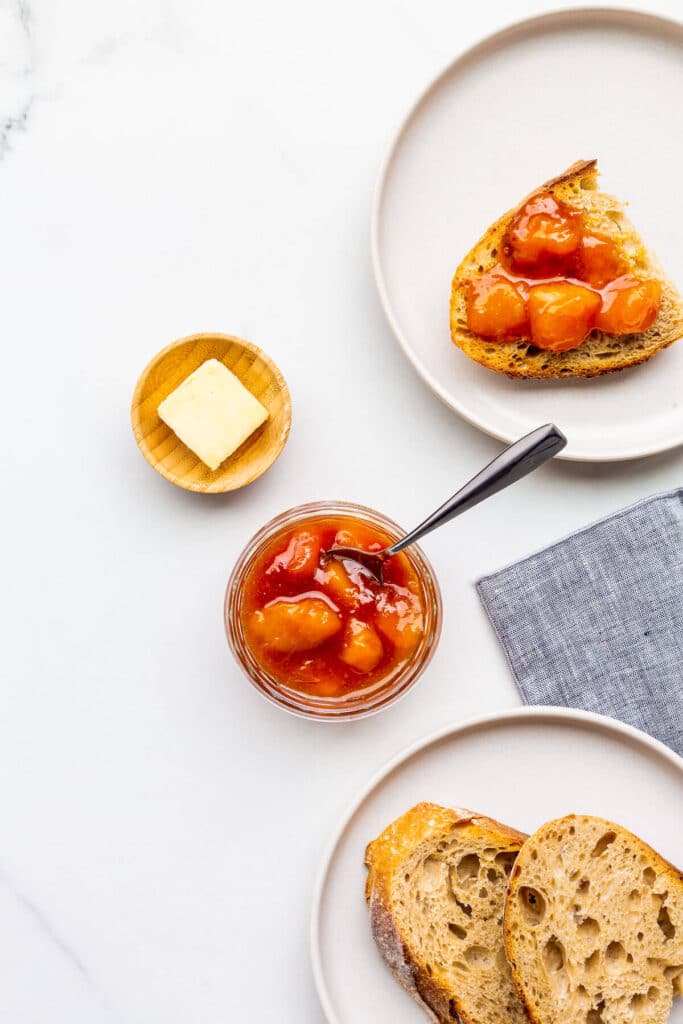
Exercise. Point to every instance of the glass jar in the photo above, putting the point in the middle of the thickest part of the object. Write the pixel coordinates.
(355, 703)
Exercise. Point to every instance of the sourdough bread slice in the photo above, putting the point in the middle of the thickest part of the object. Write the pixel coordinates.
(436, 889)
(599, 353)
(594, 926)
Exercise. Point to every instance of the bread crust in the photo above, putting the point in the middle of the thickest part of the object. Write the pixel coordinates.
(600, 353)
(517, 879)
(383, 858)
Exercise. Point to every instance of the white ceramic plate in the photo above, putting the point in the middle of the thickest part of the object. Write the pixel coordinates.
(506, 116)
(522, 767)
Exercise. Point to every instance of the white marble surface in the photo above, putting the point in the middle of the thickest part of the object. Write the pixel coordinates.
(165, 168)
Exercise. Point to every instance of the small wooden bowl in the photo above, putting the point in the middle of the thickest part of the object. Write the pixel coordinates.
(167, 453)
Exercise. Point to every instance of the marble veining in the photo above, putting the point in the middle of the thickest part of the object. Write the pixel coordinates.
(13, 124)
(48, 929)
(17, 65)
(42, 968)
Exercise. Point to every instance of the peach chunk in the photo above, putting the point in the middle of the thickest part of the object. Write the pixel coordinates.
(599, 260)
(359, 536)
(561, 314)
(495, 308)
(288, 626)
(300, 557)
(336, 582)
(543, 231)
(629, 306)
(362, 648)
(399, 619)
(327, 688)
(402, 563)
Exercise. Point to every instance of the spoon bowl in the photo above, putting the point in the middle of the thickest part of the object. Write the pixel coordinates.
(371, 562)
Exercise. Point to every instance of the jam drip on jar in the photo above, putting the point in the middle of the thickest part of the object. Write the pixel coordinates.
(555, 282)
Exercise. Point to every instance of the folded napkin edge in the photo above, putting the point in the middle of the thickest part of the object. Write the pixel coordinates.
(501, 643)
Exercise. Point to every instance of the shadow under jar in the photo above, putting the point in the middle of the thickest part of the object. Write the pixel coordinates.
(317, 636)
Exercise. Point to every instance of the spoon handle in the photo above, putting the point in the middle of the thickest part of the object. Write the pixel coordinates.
(512, 464)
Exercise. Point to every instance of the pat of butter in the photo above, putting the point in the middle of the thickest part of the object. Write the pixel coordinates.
(212, 412)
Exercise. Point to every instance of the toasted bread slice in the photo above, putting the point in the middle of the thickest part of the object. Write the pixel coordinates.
(436, 888)
(594, 926)
(599, 353)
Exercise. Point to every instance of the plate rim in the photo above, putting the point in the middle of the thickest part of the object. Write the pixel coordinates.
(624, 15)
(517, 714)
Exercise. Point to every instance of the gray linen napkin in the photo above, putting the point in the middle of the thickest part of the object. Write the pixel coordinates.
(596, 620)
